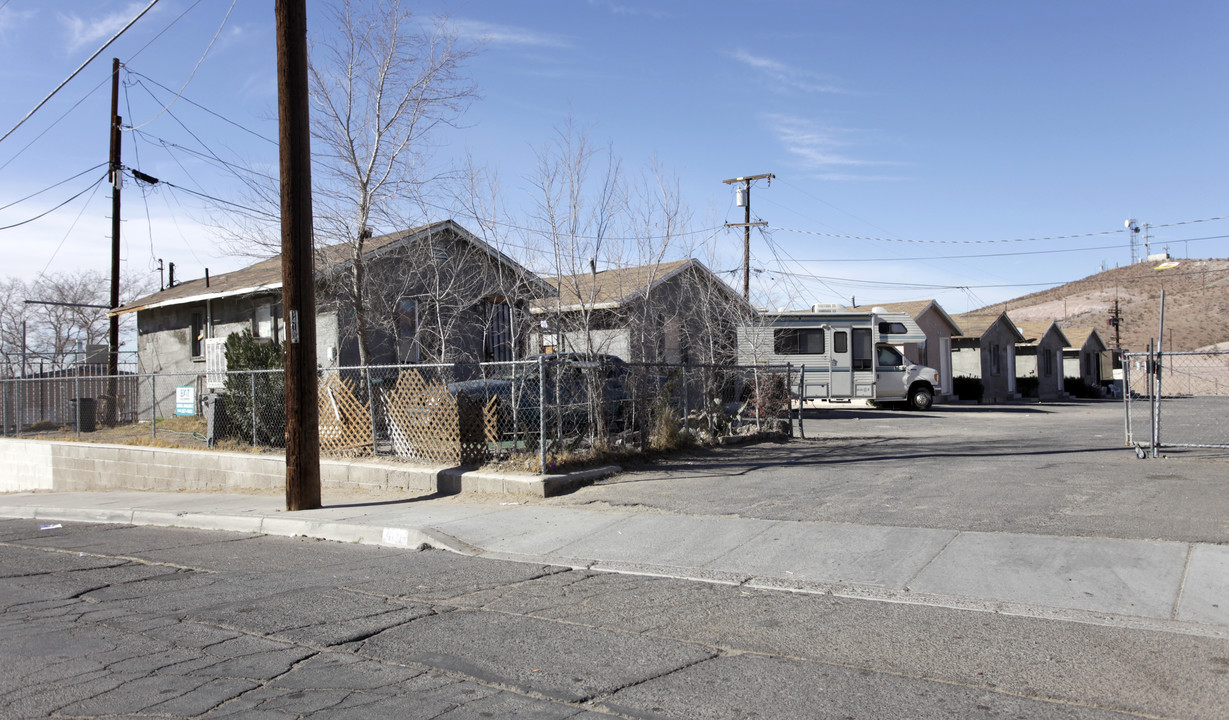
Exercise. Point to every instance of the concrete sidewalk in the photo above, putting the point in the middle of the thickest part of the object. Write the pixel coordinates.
(1175, 586)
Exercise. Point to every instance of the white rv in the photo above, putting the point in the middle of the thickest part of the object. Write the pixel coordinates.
(842, 354)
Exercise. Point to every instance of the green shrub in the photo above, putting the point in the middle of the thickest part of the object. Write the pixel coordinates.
(968, 388)
(266, 409)
(1076, 387)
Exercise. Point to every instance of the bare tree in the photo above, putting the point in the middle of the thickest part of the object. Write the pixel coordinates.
(52, 331)
(380, 91)
(575, 216)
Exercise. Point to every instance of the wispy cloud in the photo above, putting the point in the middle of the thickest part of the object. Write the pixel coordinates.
(89, 30)
(512, 35)
(823, 148)
(10, 18)
(787, 77)
(621, 9)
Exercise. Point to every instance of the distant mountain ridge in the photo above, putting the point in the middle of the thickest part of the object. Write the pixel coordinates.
(1196, 304)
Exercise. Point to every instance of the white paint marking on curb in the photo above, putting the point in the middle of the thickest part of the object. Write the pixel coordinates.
(396, 536)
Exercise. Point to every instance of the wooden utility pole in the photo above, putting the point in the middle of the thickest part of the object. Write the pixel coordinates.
(746, 224)
(298, 274)
(116, 183)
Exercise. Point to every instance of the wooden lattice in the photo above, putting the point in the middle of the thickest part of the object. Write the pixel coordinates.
(422, 419)
(345, 421)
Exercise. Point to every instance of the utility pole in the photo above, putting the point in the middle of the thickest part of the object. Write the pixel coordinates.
(744, 199)
(1115, 321)
(112, 409)
(298, 274)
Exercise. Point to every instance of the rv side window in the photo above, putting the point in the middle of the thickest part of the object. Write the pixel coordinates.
(862, 349)
(798, 341)
(892, 328)
(840, 342)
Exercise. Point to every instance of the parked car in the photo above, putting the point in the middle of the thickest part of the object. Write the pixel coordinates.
(573, 381)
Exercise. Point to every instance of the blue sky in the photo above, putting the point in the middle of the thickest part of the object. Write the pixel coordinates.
(901, 133)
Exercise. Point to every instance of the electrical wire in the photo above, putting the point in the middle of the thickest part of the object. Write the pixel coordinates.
(995, 255)
(50, 187)
(74, 74)
(57, 207)
(71, 227)
(96, 88)
(253, 211)
(191, 75)
(197, 105)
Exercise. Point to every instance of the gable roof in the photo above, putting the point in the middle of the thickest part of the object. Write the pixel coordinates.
(266, 275)
(915, 310)
(1080, 335)
(975, 325)
(616, 287)
(1035, 332)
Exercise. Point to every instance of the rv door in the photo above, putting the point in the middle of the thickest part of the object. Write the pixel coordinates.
(841, 375)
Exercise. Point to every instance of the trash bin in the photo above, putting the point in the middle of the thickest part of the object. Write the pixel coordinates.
(84, 413)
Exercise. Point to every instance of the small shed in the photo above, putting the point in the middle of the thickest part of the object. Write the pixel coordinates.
(1085, 357)
(986, 349)
(1040, 356)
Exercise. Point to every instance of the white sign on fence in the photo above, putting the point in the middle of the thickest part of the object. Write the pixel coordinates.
(185, 400)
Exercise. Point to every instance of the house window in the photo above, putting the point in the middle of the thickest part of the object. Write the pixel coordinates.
(798, 341)
(197, 335)
(264, 322)
(497, 332)
(862, 349)
(995, 362)
(1047, 362)
(407, 330)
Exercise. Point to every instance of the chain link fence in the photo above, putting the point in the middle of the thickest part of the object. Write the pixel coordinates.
(542, 413)
(1176, 399)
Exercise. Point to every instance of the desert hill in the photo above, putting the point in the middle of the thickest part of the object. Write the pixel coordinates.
(1196, 304)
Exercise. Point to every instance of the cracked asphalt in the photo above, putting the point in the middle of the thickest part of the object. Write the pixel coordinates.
(104, 621)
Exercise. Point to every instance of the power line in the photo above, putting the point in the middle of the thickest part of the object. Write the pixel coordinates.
(996, 255)
(78, 70)
(50, 187)
(195, 67)
(197, 105)
(986, 242)
(57, 207)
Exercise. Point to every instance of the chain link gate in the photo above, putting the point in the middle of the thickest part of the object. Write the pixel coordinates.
(1176, 399)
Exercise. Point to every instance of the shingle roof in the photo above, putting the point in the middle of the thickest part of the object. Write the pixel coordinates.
(914, 309)
(611, 288)
(266, 275)
(1080, 334)
(1033, 332)
(975, 325)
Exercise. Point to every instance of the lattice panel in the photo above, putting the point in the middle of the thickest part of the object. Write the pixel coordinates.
(422, 419)
(345, 421)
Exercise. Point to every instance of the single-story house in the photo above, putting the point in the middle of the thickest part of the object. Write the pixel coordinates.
(936, 350)
(673, 312)
(1040, 356)
(985, 349)
(1085, 358)
(440, 294)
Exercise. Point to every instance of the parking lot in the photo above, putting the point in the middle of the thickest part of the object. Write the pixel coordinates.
(1053, 469)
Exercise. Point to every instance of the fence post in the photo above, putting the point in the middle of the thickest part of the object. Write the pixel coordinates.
(542, 414)
(371, 410)
(686, 384)
(802, 374)
(1125, 359)
(1160, 345)
(153, 404)
(252, 404)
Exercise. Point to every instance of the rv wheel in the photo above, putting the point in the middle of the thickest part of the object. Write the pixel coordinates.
(921, 397)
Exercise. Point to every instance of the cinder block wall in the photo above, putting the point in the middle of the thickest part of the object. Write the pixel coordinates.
(31, 465)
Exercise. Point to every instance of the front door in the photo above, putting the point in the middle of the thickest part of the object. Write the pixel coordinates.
(842, 365)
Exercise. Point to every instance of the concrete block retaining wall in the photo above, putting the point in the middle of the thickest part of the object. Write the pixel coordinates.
(32, 465)
(27, 465)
